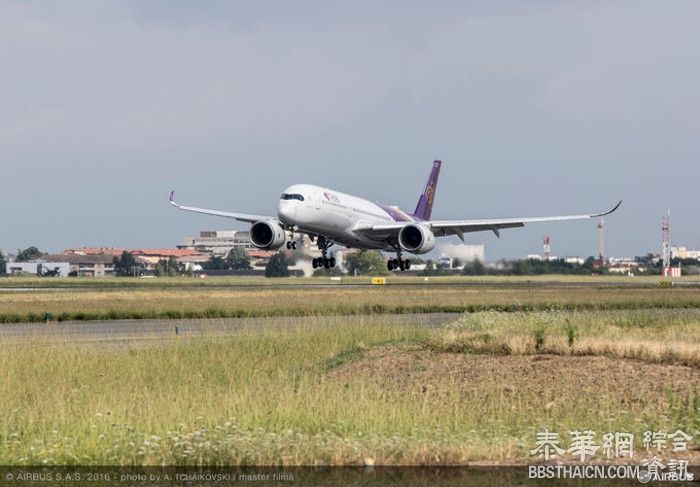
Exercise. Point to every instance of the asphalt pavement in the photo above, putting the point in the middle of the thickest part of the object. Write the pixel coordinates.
(147, 331)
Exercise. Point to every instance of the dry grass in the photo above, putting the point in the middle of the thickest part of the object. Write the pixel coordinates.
(659, 336)
(230, 302)
(334, 392)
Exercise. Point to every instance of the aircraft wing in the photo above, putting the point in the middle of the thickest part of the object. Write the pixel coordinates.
(458, 227)
(244, 217)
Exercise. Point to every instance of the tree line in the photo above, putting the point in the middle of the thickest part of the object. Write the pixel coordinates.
(372, 262)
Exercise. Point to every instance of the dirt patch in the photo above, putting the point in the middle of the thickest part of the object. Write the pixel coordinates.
(406, 365)
(612, 390)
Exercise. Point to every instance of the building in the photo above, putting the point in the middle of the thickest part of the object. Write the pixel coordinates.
(112, 251)
(217, 242)
(220, 242)
(38, 268)
(541, 257)
(685, 253)
(86, 265)
(259, 258)
(457, 255)
(191, 258)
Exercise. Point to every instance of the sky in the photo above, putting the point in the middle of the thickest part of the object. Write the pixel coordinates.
(535, 108)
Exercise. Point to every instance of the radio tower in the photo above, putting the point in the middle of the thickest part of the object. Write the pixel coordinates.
(666, 243)
(546, 247)
(601, 242)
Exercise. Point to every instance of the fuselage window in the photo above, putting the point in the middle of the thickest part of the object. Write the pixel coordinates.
(291, 196)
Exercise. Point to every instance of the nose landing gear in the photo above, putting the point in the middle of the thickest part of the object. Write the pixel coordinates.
(291, 243)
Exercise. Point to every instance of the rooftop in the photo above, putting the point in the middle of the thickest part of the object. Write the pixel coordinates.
(166, 252)
(113, 251)
(78, 258)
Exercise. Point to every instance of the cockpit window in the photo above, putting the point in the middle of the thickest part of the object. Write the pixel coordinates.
(291, 196)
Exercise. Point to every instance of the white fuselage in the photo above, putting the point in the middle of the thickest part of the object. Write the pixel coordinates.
(316, 210)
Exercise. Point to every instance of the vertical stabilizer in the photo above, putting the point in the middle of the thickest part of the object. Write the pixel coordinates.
(425, 202)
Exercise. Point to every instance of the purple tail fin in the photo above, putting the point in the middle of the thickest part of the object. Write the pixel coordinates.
(425, 203)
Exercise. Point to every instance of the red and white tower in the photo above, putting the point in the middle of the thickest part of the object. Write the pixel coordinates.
(601, 242)
(666, 244)
(546, 247)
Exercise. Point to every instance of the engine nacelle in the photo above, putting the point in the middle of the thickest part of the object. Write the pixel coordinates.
(417, 239)
(267, 235)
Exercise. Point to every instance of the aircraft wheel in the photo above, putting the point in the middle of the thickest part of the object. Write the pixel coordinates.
(332, 261)
(390, 265)
(314, 263)
(402, 265)
(294, 245)
(289, 245)
(408, 264)
(326, 263)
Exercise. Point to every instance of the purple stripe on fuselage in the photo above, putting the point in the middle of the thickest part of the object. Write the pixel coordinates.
(396, 215)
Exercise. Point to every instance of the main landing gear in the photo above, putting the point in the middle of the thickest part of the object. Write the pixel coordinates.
(398, 263)
(323, 262)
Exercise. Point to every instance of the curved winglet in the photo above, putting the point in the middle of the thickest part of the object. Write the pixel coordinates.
(609, 211)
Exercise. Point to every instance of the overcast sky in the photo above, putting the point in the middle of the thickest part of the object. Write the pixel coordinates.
(536, 108)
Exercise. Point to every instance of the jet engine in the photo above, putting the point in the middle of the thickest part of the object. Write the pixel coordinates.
(417, 239)
(267, 235)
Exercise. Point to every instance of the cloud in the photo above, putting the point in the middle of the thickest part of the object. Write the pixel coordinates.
(98, 74)
(132, 91)
(103, 77)
(636, 68)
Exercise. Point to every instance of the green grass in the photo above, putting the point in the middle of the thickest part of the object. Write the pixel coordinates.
(180, 303)
(325, 392)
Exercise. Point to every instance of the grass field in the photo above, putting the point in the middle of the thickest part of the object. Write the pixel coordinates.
(218, 302)
(175, 282)
(329, 392)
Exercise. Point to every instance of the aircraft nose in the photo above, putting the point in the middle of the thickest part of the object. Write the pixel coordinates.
(286, 210)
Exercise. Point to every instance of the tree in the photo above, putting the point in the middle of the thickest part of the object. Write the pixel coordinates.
(238, 259)
(3, 266)
(332, 272)
(474, 268)
(432, 269)
(522, 268)
(170, 267)
(127, 265)
(277, 266)
(366, 262)
(30, 253)
(215, 263)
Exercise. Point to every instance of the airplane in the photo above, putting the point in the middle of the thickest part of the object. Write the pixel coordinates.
(330, 217)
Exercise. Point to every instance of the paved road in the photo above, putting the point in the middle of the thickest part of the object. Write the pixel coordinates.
(134, 331)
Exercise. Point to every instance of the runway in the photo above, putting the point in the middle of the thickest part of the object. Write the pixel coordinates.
(494, 284)
(115, 332)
